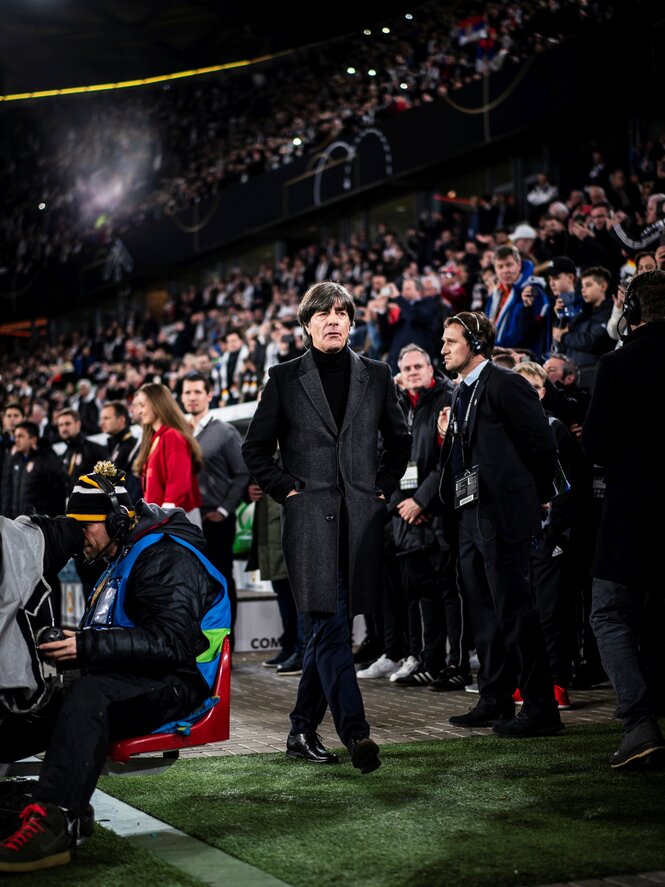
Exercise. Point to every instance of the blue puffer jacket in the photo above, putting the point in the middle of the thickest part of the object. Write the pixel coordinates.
(516, 325)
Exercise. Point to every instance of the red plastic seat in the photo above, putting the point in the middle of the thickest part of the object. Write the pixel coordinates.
(213, 726)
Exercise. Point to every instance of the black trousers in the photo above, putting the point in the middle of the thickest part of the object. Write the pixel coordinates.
(556, 618)
(220, 537)
(77, 725)
(508, 635)
(329, 677)
(426, 616)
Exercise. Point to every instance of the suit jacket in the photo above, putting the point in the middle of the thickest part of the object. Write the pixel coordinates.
(333, 469)
(622, 433)
(512, 443)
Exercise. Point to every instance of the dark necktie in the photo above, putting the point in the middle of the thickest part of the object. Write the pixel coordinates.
(463, 398)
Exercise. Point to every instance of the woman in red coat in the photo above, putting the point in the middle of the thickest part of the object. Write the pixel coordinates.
(169, 456)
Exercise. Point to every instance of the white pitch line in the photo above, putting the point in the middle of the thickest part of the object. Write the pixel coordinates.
(180, 850)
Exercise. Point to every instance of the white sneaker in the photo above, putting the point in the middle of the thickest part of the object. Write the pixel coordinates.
(379, 669)
(408, 666)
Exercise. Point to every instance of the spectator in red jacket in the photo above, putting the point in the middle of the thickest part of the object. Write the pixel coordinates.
(169, 457)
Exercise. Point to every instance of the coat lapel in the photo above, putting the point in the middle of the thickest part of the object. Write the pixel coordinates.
(477, 394)
(311, 382)
(357, 386)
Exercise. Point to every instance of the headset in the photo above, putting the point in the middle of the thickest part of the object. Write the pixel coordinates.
(118, 523)
(632, 311)
(475, 343)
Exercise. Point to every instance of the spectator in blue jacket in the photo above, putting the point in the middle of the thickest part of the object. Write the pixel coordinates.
(518, 304)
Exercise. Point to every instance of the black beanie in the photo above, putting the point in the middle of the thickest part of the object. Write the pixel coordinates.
(90, 503)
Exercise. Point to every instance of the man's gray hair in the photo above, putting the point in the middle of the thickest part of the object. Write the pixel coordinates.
(413, 347)
(323, 297)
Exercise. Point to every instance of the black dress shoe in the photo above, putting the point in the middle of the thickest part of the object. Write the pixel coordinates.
(528, 724)
(364, 754)
(309, 747)
(485, 714)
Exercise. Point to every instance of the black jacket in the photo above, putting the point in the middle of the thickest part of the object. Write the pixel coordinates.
(35, 484)
(622, 434)
(425, 452)
(167, 594)
(80, 457)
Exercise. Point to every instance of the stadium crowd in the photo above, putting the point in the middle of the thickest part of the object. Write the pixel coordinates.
(80, 171)
(554, 292)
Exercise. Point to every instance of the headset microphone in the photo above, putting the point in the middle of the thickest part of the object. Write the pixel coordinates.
(474, 342)
(632, 312)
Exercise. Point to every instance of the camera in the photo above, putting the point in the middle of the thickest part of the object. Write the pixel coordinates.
(48, 634)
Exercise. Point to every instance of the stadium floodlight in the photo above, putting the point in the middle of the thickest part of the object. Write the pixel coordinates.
(367, 32)
(372, 72)
(385, 30)
(350, 70)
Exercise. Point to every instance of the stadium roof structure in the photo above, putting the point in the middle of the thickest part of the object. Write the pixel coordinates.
(55, 44)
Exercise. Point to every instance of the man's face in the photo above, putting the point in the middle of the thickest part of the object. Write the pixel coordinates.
(329, 330)
(96, 540)
(456, 350)
(593, 291)
(562, 283)
(651, 213)
(195, 398)
(415, 371)
(23, 442)
(233, 342)
(110, 423)
(410, 290)
(378, 282)
(554, 369)
(68, 427)
(11, 419)
(507, 270)
(599, 217)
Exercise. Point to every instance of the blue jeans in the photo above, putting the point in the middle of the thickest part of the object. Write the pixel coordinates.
(329, 677)
(627, 633)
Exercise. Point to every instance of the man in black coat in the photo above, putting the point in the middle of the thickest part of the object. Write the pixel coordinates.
(622, 433)
(498, 463)
(37, 481)
(81, 454)
(427, 561)
(136, 652)
(326, 410)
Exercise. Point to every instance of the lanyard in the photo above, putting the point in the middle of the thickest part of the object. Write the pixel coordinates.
(463, 433)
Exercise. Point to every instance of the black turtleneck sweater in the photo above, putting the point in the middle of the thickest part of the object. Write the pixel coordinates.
(335, 372)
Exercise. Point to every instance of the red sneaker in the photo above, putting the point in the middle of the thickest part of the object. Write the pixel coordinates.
(517, 697)
(561, 696)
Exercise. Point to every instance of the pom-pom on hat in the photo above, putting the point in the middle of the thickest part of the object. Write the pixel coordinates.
(89, 503)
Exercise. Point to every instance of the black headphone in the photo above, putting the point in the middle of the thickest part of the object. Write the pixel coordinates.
(118, 523)
(632, 311)
(475, 343)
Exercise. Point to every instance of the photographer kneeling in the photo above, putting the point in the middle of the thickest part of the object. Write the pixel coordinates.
(136, 648)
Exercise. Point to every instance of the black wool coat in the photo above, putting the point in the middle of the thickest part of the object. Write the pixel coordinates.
(332, 469)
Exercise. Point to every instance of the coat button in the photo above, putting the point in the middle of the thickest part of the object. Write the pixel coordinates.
(330, 517)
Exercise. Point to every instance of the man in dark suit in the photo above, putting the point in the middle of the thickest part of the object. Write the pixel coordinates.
(498, 462)
(622, 434)
(326, 410)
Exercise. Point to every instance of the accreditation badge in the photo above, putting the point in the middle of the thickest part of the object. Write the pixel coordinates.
(466, 487)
